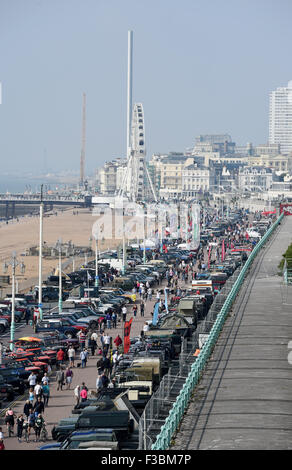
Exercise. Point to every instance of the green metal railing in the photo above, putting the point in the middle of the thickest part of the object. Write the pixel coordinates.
(172, 421)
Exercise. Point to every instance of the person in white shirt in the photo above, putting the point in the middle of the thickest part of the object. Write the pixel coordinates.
(45, 378)
(38, 390)
(32, 379)
(77, 394)
(107, 340)
(71, 356)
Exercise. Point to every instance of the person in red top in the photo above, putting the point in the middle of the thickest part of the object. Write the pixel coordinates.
(118, 341)
(60, 356)
(83, 394)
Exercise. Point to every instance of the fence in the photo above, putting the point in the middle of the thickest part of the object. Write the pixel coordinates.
(162, 401)
(165, 409)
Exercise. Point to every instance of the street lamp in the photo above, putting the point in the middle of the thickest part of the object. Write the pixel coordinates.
(59, 248)
(41, 256)
(13, 263)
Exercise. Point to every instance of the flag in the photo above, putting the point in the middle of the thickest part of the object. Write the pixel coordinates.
(127, 331)
(155, 313)
(209, 256)
(223, 251)
(165, 301)
(88, 276)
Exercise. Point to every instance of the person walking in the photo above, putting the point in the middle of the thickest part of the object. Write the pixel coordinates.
(31, 395)
(31, 424)
(83, 358)
(39, 423)
(108, 321)
(60, 357)
(71, 355)
(46, 393)
(77, 395)
(32, 380)
(27, 408)
(27, 315)
(135, 310)
(114, 319)
(118, 341)
(9, 421)
(68, 377)
(107, 340)
(149, 294)
(38, 390)
(142, 309)
(124, 313)
(60, 379)
(92, 345)
(45, 378)
(82, 339)
(98, 384)
(83, 394)
(39, 406)
(19, 423)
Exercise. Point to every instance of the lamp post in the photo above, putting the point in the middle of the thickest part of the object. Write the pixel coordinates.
(41, 256)
(13, 263)
(96, 263)
(59, 247)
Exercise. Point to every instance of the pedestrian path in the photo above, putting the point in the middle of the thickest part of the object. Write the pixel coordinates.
(244, 400)
(62, 402)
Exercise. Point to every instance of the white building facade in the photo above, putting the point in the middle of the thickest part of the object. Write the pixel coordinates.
(280, 118)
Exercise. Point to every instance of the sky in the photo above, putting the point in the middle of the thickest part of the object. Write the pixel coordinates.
(199, 67)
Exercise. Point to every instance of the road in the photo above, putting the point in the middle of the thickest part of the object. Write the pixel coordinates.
(244, 400)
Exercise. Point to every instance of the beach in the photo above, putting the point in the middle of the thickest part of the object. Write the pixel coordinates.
(69, 225)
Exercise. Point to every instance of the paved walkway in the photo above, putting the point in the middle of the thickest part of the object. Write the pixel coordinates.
(62, 402)
(244, 399)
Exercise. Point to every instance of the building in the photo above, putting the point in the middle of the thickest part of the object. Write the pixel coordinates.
(255, 178)
(195, 179)
(277, 163)
(107, 176)
(267, 149)
(280, 118)
(221, 143)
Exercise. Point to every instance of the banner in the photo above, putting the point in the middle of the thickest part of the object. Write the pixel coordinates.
(223, 251)
(209, 256)
(127, 331)
(155, 313)
(165, 301)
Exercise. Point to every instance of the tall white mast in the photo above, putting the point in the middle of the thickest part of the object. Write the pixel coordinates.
(129, 89)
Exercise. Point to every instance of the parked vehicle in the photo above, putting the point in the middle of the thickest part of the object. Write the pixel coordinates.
(49, 325)
(6, 391)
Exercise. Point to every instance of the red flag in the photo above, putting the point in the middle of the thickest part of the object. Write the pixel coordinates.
(223, 251)
(127, 331)
(246, 236)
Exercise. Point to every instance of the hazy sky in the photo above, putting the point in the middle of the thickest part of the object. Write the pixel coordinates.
(200, 66)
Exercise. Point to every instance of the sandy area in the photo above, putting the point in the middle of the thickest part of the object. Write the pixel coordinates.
(21, 235)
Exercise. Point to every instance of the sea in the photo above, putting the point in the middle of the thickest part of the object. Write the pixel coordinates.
(20, 184)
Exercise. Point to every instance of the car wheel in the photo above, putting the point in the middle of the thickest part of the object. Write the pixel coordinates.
(69, 335)
(2, 329)
(46, 298)
(93, 325)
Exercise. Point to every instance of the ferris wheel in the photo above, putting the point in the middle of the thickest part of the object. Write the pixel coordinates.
(137, 181)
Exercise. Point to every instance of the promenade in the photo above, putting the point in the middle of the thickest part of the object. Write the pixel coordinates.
(244, 399)
(62, 402)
